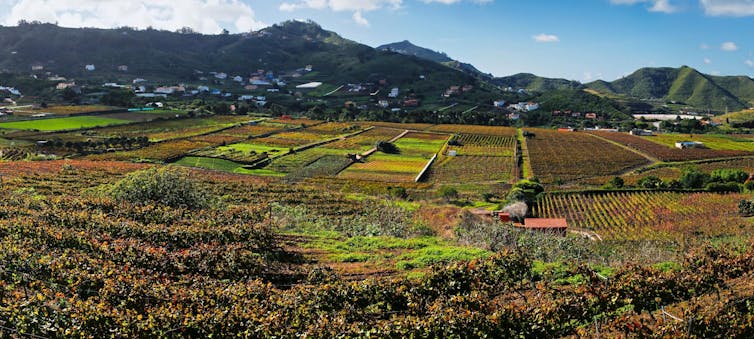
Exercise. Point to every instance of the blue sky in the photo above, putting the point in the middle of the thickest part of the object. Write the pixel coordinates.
(581, 40)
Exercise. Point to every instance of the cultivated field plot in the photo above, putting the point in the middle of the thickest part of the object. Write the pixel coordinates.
(667, 153)
(711, 141)
(62, 124)
(411, 126)
(563, 156)
(299, 122)
(163, 151)
(487, 145)
(365, 141)
(295, 161)
(64, 110)
(648, 215)
(170, 129)
(225, 166)
(472, 168)
(386, 167)
(475, 129)
(416, 149)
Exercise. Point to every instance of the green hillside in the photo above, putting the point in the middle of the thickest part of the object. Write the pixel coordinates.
(682, 85)
(164, 55)
(580, 101)
(533, 83)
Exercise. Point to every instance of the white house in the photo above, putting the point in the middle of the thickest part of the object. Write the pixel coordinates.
(221, 75)
(499, 103)
(203, 89)
(383, 103)
(393, 92)
(237, 78)
(689, 144)
(89, 68)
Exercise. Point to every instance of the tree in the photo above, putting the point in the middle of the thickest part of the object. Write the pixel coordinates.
(387, 147)
(651, 182)
(617, 182)
(692, 177)
(449, 193)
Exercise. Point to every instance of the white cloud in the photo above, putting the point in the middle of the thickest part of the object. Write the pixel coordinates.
(749, 63)
(358, 7)
(205, 16)
(450, 2)
(736, 8)
(729, 46)
(659, 6)
(360, 19)
(707, 61)
(546, 38)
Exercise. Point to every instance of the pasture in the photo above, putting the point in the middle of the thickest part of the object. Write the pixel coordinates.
(62, 124)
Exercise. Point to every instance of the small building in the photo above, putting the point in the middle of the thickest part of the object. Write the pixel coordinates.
(641, 132)
(499, 103)
(590, 116)
(557, 226)
(452, 153)
(123, 68)
(411, 103)
(37, 67)
(566, 129)
(393, 93)
(383, 103)
(689, 144)
(89, 68)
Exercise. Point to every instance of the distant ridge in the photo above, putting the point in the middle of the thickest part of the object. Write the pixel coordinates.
(683, 85)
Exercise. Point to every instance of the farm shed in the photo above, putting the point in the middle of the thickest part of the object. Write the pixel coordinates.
(555, 226)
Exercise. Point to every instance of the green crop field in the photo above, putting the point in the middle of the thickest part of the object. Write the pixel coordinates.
(250, 147)
(711, 141)
(61, 124)
(225, 165)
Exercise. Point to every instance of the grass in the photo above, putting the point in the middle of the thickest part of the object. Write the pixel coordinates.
(439, 254)
(711, 141)
(61, 124)
(225, 165)
(421, 147)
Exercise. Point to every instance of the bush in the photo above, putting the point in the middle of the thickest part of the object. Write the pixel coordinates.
(449, 193)
(387, 147)
(727, 187)
(693, 178)
(651, 182)
(746, 207)
(749, 185)
(168, 186)
(729, 175)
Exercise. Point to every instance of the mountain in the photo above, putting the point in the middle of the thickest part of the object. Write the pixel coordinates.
(683, 85)
(405, 47)
(184, 56)
(533, 83)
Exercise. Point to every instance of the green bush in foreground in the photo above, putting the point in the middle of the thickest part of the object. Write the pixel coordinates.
(168, 186)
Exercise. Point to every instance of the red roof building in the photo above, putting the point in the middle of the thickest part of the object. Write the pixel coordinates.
(557, 226)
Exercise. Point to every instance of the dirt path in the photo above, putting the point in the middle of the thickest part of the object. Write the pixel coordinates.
(645, 155)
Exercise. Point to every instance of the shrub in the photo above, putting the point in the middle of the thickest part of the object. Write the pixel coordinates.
(168, 186)
(746, 207)
(387, 147)
(693, 178)
(449, 193)
(729, 175)
(726, 187)
(651, 182)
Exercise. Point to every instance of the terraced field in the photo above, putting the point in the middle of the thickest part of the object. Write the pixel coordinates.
(564, 156)
(666, 152)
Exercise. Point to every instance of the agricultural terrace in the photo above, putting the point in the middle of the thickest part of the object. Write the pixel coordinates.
(162, 130)
(365, 141)
(665, 152)
(711, 141)
(295, 122)
(565, 156)
(475, 129)
(667, 173)
(64, 110)
(473, 144)
(416, 149)
(62, 124)
(225, 166)
(163, 151)
(411, 126)
(471, 168)
(648, 215)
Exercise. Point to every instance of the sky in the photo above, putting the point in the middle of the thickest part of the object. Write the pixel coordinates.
(582, 40)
